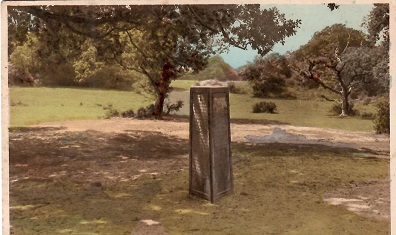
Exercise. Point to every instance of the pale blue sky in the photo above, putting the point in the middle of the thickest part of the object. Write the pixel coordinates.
(313, 18)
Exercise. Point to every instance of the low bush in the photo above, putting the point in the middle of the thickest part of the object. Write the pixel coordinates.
(145, 112)
(173, 107)
(264, 107)
(128, 114)
(336, 110)
(112, 113)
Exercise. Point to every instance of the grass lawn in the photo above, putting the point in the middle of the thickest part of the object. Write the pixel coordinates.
(311, 113)
(105, 183)
(309, 110)
(183, 84)
(34, 105)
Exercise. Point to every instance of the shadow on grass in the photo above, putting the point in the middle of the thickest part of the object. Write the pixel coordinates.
(115, 180)
(295, 150)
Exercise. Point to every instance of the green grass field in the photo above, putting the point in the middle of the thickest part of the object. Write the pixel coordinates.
(35, 105)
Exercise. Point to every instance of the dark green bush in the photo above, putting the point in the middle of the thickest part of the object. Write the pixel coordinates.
(59, 75)
(145, 112)
(264, 107)
(272, 86)
(128, 114)
(382, 118)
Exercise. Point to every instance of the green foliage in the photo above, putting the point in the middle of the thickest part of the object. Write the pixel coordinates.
(377, 23)
(268, 76)
(341, 60)
(58, 75)
(114, 113)
(145, 112)
(128, 113)
(112, 77)
(325, 42)
(111, 112)
(173, 107)
(264, 107)
(87, 63)
(145, 38)
(382, 117)
(24, 57)
(271, 87)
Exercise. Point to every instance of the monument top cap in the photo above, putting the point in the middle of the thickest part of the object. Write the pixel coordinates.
(210, 83)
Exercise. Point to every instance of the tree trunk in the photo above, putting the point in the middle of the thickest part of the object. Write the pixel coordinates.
(162, 87)
(345, 107)
(159, 105)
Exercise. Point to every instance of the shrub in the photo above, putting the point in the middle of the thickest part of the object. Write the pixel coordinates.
(128, 114)
(62, 75)
(173, 107)
(382, 118)
(272, 86)
(112, 113)
(336, 110)
(264, 107)
(368, 116)
(110, 77)
(145, 112)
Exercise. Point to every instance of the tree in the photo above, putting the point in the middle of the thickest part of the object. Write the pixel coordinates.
(267, 75)
(340, 60)
(157, 40)
(377, 24)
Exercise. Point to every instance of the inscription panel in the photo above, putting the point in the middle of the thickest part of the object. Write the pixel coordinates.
(222, 179)
(200, 165)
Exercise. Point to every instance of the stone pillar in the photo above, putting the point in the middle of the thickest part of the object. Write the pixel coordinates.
(210, 137)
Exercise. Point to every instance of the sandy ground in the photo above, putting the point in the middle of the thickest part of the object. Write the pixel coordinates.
(378, 144)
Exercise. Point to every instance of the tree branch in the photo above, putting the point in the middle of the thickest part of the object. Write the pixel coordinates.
(312, 76)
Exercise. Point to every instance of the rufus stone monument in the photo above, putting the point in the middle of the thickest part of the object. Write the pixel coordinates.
(210, 152)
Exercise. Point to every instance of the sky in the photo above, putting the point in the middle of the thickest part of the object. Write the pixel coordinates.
(314, 18)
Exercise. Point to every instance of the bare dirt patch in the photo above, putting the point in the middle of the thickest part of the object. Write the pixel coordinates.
(370, 198)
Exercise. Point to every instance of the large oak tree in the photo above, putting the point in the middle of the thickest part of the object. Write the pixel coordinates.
(157, 40)
(340, 59)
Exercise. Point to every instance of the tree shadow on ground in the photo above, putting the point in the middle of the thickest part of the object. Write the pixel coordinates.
(105, 183)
